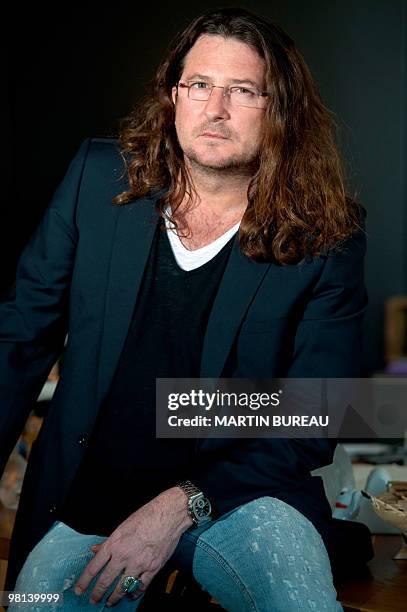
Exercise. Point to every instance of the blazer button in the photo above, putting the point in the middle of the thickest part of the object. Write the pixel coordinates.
(82, 440)
(52, 509)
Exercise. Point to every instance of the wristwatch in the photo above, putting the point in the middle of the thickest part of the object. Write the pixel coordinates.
(199, 506)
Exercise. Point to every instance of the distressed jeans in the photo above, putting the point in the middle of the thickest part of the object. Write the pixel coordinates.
(263, 556)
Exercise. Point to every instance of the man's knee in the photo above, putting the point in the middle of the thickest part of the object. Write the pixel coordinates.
(57, 560)
(265, 551)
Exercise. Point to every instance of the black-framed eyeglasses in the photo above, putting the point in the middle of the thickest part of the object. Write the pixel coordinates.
(238, 95)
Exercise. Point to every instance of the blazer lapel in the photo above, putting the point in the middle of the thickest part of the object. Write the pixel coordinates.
(133, 240)
(240, 281)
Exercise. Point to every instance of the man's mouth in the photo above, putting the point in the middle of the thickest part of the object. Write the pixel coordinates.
(213, 135)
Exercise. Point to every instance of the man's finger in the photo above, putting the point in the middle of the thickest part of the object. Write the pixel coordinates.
(104, 582)
(90, 571)
(118, 594)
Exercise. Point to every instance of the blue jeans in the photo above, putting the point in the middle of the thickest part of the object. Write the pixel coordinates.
(263, 556)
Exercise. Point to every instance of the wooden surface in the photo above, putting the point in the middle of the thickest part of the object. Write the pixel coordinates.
(7, 517)
(384, 589)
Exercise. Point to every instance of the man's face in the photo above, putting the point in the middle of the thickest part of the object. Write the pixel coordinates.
(215, 133)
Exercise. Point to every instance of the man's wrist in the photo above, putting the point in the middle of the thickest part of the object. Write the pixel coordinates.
(179, 502)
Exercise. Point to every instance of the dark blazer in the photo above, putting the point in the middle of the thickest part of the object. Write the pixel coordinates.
(80, 274)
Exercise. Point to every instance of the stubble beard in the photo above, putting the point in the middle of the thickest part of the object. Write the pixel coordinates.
(231, 166)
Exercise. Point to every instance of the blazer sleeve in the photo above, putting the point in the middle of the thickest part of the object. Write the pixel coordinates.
(34, 313)
(327, 344)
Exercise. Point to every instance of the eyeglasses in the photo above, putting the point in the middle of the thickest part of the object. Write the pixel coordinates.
(250, 97)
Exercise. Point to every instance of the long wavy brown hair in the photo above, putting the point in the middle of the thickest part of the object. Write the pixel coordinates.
(297, 201)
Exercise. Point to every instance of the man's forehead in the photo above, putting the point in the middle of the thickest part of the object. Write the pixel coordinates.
(213, 54)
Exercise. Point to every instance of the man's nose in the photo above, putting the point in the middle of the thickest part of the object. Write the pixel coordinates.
(217, 105)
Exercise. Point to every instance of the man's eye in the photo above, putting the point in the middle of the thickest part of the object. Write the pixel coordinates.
(199, 85)
(245, 91)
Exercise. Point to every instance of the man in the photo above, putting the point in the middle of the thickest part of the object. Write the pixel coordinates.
(233, 150)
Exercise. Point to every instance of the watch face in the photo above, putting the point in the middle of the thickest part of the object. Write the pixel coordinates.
(201, 507)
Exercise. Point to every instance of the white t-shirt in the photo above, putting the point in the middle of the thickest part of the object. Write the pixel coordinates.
(189, 260)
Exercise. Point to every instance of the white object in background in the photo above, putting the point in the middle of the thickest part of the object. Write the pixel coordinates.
(342, 475)
(337, 475)
(351, 505)
(377, 480)
(347, 504)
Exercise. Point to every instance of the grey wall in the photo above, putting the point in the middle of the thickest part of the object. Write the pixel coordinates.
(357, 53)
(74, 73)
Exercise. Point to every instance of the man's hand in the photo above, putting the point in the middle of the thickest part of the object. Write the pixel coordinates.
(139, 546)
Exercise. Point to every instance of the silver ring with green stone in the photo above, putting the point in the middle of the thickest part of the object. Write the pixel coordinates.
(129, 584)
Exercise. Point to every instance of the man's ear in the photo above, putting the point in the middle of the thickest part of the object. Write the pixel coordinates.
(174, 95)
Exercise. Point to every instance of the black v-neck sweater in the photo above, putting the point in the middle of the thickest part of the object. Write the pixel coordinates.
(125, 465)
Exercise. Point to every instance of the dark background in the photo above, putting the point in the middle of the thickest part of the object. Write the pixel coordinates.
(74, 71)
